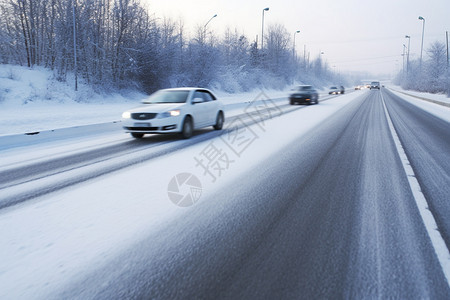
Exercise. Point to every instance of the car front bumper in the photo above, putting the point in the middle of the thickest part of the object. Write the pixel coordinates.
(165, 125)
(301, 99)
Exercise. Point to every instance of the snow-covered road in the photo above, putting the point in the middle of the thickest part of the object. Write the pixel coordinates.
(33, 165)
(306, 203)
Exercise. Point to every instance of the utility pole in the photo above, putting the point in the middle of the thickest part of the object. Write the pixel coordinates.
(304, 55)
(448, 69)
(403, 57)
(75, 67)
(446, 36)
(407, 55)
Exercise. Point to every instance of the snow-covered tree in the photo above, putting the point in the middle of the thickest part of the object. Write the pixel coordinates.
(432, 75)
(121, 44)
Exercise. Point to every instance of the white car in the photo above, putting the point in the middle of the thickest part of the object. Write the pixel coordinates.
(179, 110)
(334, 91)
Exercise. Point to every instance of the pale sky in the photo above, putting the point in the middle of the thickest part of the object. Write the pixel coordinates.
(354, 35)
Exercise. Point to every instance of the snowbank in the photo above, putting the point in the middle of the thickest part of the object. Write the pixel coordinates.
(441, 99)
(32, 100)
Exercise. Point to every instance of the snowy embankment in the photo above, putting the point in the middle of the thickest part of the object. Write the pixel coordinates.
(436, 104)
(442, 99)
(33, 101)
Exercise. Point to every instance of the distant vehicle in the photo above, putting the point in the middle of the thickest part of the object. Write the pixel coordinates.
(334, 90)
(342, 90)
(180, 110)
(304, 94)
(358, 87)
(375, 85)
(367, 86)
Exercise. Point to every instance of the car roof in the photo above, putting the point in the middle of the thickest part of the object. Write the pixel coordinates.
(185, 89)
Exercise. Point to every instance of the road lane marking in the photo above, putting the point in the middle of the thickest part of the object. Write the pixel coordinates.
(442, 252)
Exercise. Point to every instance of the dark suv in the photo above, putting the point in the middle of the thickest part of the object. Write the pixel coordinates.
(304, 94)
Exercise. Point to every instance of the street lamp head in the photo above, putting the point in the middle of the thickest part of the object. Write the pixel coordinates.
(421, 18)
(298, 31)
(407, 36)
(210, 20)
(266, 9)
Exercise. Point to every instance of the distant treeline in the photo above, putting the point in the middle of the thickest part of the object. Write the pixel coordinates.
(121, 44)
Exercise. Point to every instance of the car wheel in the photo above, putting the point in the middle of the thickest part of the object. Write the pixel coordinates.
(219, 121)
(291, 102)
(137, 135)
(187, 130)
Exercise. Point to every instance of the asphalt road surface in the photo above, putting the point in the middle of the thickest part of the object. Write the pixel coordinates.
(331, 216)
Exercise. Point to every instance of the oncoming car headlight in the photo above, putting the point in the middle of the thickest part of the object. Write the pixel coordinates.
(126, 115)
(170, 113)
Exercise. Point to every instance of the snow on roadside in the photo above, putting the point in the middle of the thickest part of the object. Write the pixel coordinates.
(31, 100)
(438, 110)
(41, 116)
(52, 242)
(434, 97)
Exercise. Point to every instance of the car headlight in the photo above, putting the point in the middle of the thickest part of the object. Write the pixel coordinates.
(126, 115)
(170, 113)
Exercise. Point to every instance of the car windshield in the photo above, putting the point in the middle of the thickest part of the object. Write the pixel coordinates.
(304, 88)
(165, 96)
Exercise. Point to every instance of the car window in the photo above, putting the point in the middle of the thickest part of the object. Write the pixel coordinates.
(167, 97)
(199, 94)
(207, 96)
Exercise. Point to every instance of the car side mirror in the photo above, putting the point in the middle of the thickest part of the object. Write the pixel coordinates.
(197, 100)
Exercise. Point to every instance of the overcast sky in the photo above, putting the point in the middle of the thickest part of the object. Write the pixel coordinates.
(356, 35)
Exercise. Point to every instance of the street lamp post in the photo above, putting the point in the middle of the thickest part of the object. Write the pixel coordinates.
(423, 30)
(403, 57)
(210, 20)
(293, 49)
(204, 27)
(407, 55)
(262, 30)
(320, 59)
